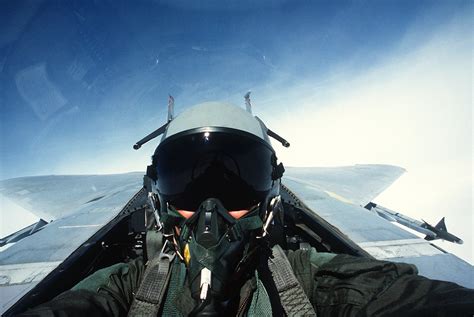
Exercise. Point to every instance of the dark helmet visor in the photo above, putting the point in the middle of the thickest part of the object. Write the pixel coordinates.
(235, 168)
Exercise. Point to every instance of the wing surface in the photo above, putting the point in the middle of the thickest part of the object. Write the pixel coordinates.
(53, 197)
(95, 201)
(358, 184)
(379, 237)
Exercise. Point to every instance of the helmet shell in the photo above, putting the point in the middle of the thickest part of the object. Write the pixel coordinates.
(216, 115)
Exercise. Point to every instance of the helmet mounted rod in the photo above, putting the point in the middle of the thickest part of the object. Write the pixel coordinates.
(151, 136)
(163, 129)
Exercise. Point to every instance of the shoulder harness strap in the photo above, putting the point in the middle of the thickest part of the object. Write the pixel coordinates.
(151, 292)
(292, 296)
(153, 243)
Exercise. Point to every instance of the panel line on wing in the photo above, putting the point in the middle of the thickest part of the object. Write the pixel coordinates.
(81, 226)
(369, 244)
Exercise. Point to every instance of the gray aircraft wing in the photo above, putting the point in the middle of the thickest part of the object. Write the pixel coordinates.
(339, 194)
(57, 196)
(76, 208)
(358, 184)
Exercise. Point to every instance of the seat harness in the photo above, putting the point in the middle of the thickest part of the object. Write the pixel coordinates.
(292, 296)
(150, 295)
(148, 300)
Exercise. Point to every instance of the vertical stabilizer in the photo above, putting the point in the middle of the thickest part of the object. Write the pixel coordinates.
(441, 225)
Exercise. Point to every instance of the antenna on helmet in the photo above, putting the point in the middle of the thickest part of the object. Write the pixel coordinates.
(269, 132)
(273, 134)
(161, 129)
(170, 108)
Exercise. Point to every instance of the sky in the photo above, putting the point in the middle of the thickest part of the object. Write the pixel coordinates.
(346, 82)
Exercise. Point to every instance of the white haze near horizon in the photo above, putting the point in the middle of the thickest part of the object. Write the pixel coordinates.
(413, 110)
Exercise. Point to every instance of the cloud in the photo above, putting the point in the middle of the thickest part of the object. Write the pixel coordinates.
(413, 110)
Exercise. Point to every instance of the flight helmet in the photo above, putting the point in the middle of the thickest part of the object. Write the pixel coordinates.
(214, 182)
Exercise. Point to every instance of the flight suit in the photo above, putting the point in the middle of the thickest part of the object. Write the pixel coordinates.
(337, 285)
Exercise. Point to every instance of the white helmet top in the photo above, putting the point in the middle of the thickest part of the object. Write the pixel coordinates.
(214, 115)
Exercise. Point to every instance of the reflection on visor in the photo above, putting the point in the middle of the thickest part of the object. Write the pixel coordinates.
(237, 214)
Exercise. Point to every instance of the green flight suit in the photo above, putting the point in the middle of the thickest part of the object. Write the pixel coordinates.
(337, 285)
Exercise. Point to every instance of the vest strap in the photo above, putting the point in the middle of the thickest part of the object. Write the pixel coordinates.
(151, 292)
(292, 296)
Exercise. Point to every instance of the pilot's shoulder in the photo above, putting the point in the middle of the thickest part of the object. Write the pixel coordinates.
(349, 265)
(304, 259)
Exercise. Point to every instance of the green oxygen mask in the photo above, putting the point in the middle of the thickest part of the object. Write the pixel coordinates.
(216, 247)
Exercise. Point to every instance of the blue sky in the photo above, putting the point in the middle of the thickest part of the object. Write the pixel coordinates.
(369, 81)
(99, 72)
